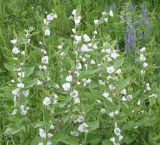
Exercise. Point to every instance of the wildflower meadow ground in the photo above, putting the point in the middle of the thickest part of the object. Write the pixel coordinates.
(79, 72)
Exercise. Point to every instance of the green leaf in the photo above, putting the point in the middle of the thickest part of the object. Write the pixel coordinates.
(58, 136)
(61, 137)
(86, 73)
(93, 125)
(118, 63)
(70, 140)
(13, 129)
(29, 71)
(9, 67)
(93, 138)
(123, 83)
(31, 83)
(36, 140)
(106, 142)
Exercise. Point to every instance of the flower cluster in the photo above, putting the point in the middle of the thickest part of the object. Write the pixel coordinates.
(43, 82)
(50, 17)
(118, 138)
(143, 60)
(20, 92)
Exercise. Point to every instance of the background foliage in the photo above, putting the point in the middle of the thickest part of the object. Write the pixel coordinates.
(137, 128)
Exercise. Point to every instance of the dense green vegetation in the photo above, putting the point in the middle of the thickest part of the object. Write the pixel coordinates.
(79, 72)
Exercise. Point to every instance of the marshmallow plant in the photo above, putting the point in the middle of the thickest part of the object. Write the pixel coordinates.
(80, 91)
(20, 91)
(43, 83)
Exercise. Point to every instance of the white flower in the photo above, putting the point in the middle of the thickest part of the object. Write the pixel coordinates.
(111, 87)
(145, 64)
(118, 71)
(139, 102)
(117, 131)
(47, 32)
(60, 46)
(51, 16)
(109, 78)
(50, 135)
(108, 50)
(84, 59)
(120, 137)
(78, 65)
(95, 32)
(93, 61)
(80, 119)
(42, 133)
(114, 55)
(43, 51)
(95, 46)
(103, 110)
(83, 127)
(111, 13)
(101, 82)
(99, 101)
(105, 95)
(74, 94)
(24, 110)
(14, 41)
(26, 93)
(77, 20)
(106, 19)
(21, 74)
(45, 21)
(77, 100)
(124, 99)
(74, 12)
(84, 48)
(15, 91)
(23, 53)
(111, 114)
(77, 38)
(142, 57)
(129, 97)
(52, 126)
(69, 78)
(86, 38)
(116, 112)
(110, 69)
(109, 99)
(12, 81)
(40, 143)
(143, 49)
(109, 59)
(113, 139)
(153, 95)
(15, 50)
(49, 143)
(66, 86)
(14, 112)
(74, 133)
(96, 22)
(74, 30)
(142, 72)
(45, 60)
(148, 87)
(46, 101)
(44, 67)
(20, 85)
(123, 91)
(39, 82)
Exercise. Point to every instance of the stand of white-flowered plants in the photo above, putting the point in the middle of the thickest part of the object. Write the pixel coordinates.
(95, 69)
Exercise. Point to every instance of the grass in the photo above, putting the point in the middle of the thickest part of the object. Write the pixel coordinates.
(137, 128)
